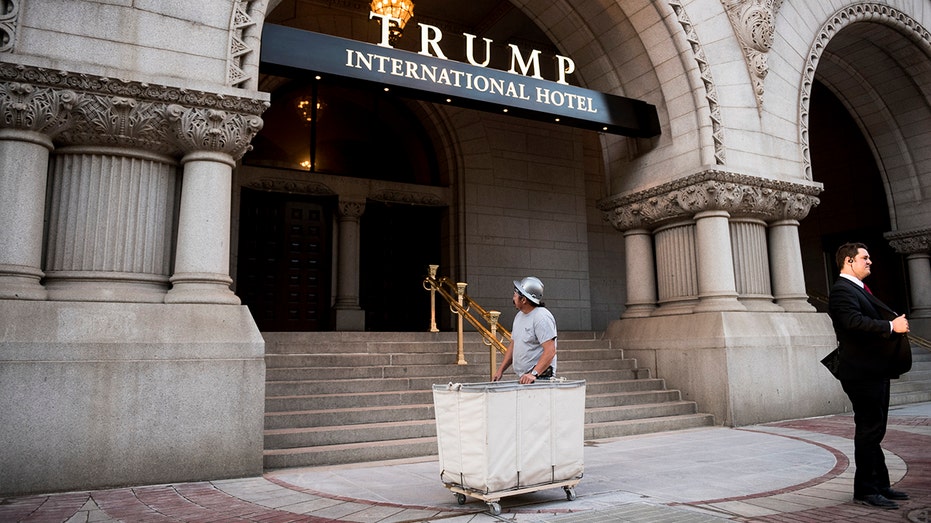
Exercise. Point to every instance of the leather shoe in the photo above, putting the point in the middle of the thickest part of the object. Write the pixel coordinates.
(894, 494)
(877, 500)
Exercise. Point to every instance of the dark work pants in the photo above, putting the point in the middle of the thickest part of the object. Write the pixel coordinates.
(870, 400)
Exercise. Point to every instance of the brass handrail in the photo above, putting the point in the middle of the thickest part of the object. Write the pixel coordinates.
(463, 306)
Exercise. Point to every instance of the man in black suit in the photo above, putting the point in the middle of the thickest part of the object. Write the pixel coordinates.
(873, 348)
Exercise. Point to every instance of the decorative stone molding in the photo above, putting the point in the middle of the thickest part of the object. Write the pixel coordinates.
(81, 109)
(875, 13)
(412, 198)
(291, 186)
(351, 208)
(711, 93)
(240, 20)
(910, 242)
(754, 22)
(9, 21)
(35, 108)
(202, 129)
(738, 194)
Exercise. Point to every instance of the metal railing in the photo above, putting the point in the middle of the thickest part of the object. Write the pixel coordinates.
(465, 308)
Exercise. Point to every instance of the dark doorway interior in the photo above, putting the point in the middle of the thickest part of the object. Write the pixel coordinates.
(284, 260)
(853, 205)
(398, 243)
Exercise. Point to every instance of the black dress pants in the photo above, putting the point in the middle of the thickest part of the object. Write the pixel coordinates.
(870, 400)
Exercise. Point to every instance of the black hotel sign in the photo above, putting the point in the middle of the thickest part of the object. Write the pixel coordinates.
(294, 52)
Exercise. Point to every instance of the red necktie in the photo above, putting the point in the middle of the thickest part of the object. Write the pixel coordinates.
(867, 288)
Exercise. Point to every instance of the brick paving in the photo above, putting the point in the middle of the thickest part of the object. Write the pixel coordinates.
(825, 498)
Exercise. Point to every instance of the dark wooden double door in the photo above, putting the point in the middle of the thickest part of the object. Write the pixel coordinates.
(285, 270)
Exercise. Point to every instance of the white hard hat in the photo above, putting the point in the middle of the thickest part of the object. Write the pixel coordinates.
(531, 288)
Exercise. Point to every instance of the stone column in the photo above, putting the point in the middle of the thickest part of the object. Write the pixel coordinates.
(751, 264)
(785, 262)
(641, 275)
(717, 289)
(916, 246)
(676, 266)
(213, 141)
(29, 117)
(349, 315)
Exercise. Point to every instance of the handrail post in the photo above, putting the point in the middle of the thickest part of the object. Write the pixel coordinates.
(460, 290)
(433, 269)
(492, 353)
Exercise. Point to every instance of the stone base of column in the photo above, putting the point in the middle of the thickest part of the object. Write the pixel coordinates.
(743, 367)
(350, 319)
(719, 304)
(920, 327)
(105, 286)
(638, 311)
(201, 288)
(21, 283)
(795, 304)
(128, 394)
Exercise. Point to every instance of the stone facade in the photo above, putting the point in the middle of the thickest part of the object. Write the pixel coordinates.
(126, 358)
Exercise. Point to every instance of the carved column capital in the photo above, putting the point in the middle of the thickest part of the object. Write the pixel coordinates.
(910, 242)
(712, 190)
(83, 109)
(351, 208)
(28, 107)
(204, 129)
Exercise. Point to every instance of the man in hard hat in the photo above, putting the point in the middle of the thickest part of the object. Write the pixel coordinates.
(532, 350)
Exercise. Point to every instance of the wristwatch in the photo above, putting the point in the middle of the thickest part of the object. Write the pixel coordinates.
(534, 372)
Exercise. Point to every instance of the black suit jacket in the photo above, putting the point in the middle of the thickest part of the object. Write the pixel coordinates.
(868, 347)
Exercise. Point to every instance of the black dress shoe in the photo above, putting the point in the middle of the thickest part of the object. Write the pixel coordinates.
(894, 494)
(876, 500)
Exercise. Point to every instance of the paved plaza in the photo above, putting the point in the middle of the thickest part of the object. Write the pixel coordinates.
(792, 471)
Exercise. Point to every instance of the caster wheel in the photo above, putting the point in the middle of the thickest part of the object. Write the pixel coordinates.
(461, 499)
(570, 493)
(494, 509)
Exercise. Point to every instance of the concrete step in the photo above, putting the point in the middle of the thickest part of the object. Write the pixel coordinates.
(335, 398)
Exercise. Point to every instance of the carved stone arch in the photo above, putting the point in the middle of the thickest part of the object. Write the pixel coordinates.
(840, 20)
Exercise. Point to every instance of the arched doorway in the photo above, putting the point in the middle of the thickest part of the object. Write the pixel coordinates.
(868, 146)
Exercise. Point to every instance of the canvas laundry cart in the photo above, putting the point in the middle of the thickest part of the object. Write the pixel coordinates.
(501, 439)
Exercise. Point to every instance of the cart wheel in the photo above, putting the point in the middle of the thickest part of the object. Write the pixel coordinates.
(570, 493)
(495, 509)
(461, 499)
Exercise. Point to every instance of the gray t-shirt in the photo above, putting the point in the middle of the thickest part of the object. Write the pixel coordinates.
(529, 332)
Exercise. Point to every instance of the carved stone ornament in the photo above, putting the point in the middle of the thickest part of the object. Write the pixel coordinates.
(754, 23)
(351, 208)
(291, 186)
(711, 92)
(33, 108)
(240, 21)
(9, 21)
(201, 129)
(738, 194)
(408, 197)
(910, 242)
(81, 109)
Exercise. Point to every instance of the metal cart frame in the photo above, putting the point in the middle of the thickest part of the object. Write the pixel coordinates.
(492, 498)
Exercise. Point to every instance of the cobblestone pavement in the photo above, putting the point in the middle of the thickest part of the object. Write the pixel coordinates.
(793, 471)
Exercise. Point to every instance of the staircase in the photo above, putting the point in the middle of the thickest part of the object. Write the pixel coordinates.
(348, 397)
(915, 385)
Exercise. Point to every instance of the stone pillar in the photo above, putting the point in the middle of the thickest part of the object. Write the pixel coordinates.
(916, 246)
(110, 225)
(641, 275)
(349, 315)
(676, 268)
(717, 290)
(29, 117)
(751, 264)
(214, 140)
(785, 262)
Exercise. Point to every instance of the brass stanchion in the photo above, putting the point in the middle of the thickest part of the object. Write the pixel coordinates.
(460, 290)
(433, 269)
(492, 353)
